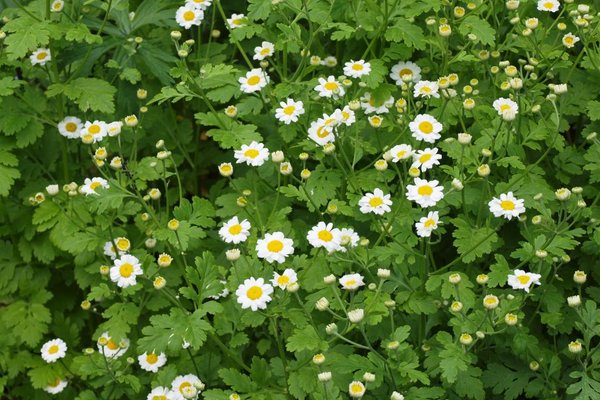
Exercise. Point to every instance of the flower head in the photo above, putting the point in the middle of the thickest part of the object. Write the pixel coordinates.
(425, 128)
(507, 206)
(254, 81)
(235, 231)
(356, 69)
(352, 281)
(426, 89)
(111, 349)
(427, 224)
(400, 152)
(569, 40)
(289, 111)
(254, 294)
(182, 384)
(274, 247)
(284, 279)
(356, 389)
(548, 5)
(254, 154)
(330, 87)
(188, 16)
(425, 193)
(41, 56)
(426, 159)
(523, 280)
(90, 185)
(70, 127)
(236, 21)
(266, 49)
(53, 350)
(56, 386)
(376, 202)
(324, 235)
(125, 271)
(409, 70)
(506, 108)
(151, 362)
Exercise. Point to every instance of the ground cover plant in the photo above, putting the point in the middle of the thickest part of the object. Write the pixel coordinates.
(299, 199)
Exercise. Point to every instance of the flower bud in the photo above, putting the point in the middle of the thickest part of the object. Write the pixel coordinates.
(324, 376)
(490, 302)
(368, 377)
(383, 273)
(356, 316)
(456, 306)
(563, 194)
(414, 172)
(464, 138)
(150, 243)
(466, 339)
(305, 174)
(511, 319)
(482, 279)
(454, 278)
(322, 304)
(575, 347)
(579, 277)
(318, 359)
(457, 184)
(540, 253)
(396, 396)
(331, 329)
(381, 165)
(154, 194)
(574, 301)
(173, 224)
(534, 365)
(293, 287)
(483, 170)
(159, 282)
(393, 345)
(328, 148)
(329, 279)
(175, 35)
(232, 254)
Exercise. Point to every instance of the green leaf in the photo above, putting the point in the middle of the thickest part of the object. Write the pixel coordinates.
(585, 388)
(506, 381)
(480, 28)
(404, 31)
(593, 110)
(238, 381)
(120, 318)
(259, 9)
(89, 93)
(132, 75)
(342, 31)
(8, 174)
(45, 215)
(27, 321)
(8, 84)
(170, 331)
(236, 136)
(377, 74)
(305, 339)
(498, 272)
(25, 35)
(473, 243)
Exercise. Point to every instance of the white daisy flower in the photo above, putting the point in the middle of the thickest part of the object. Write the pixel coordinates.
(109, 250)
(161, 393)
(569, 40)
(53, 350)
(96, 130)
(376, 202)
(356, 389)
(506, 108)
(255, 80)
(57, 386)
(329, 61)
(344, 116)
(125, 271)
(356, 69)
(425, 193)
(114, 128)
(427, 224)
(57, 6)
(548, 5)
(70, 127)
(289, 111)
(236, 21)
(254, 154)
(234, 231)
(282, 281)
(181, 383)
(507, 206)
(112, 349)
(254, 294)
(41, 56)
(324, 235)
(426, 89)
(188, 16)
(426, 159)
(523, 280)
(274, 247)
(322, 130)
(90, 185)
(330, 88)
(405, 68)
(400, 152)
(266, 49)
(151, 362)
(367, 103)
(425, 128)
(351, 281)
(199, 4)
(348, 239)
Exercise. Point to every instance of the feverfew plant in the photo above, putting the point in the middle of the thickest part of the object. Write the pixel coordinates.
(300, 199)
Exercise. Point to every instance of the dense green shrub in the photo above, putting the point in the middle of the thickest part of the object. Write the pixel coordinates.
(299, 199)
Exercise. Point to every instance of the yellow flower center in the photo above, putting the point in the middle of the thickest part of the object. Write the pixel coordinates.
(356, 388)
(253, 80)
(357, 67)
(183, 386)
(189, 15)
(95, 185)
(235, 229)
(322, 132)
(126, 270)
(254, 293)
(376, 120)
(123, 244)
(549, 5)
(331, 86)
(504, 107)
(112, 345)
(426, 89)
(401, 154)
(351, 282)
(94, 129)
(151, 358)
(568, 40)
(161, 397)
(507, 205)
(325, 236)
(345, 115)
(430, 223)
(71, 126)
(265, 51)
(425, 190)
(424, 158)
(289, 110)
(524, 279)
(283, 280)
(57, 6)
(164, 259)
(275, 246)
(490, 300)
(53, 349)
(251, 153)
(426, 127)
(41, 55)
(405, 71)
(376, 201)
(236, 21)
